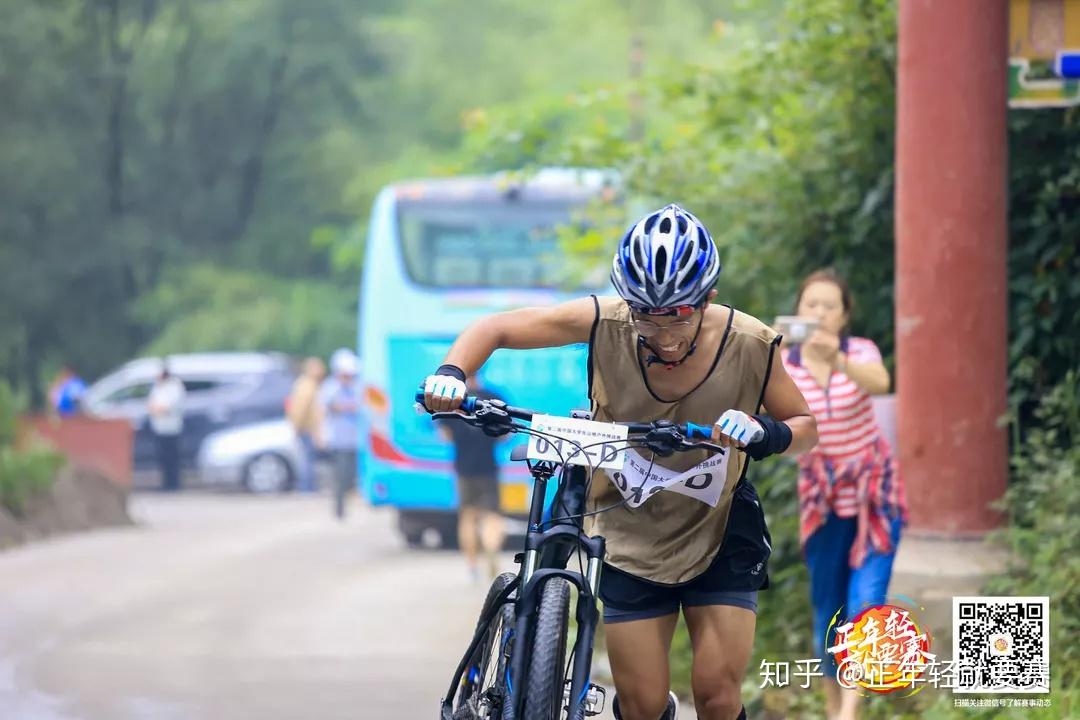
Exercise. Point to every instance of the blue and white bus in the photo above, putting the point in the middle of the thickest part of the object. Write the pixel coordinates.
(440, 254)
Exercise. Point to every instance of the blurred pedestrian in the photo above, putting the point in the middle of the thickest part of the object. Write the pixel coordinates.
(480, 523)
(851, 497)
(66, 392)
(341, 406)
(165, 405)
(305, 413)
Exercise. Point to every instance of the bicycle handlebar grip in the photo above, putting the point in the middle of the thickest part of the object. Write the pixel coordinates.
(698, 432)
(468, 404)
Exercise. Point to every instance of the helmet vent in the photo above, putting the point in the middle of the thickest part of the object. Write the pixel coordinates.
(639, 257)
(665, 226)
(682, 225)
(661, 261)
(702, 241)
(650, 222)
(685, 259)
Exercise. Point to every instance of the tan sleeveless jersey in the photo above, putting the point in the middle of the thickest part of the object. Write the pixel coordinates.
(671, 538)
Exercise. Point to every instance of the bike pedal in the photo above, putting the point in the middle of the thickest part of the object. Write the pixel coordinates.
(595, 699)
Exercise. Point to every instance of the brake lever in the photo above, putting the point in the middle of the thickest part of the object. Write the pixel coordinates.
(492, 424)
(663, 441)
(704, 445)
(452, 415)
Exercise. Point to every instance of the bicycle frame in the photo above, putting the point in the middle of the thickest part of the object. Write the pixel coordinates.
(545, 558)
(547, 552)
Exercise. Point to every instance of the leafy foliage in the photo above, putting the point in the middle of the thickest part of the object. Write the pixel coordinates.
(784, 149)
(144, 137)
(204, 308)
(1044, 286)
(1043, 502)
(23, 471)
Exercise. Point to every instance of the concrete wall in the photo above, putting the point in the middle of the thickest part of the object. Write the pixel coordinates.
(104, 445)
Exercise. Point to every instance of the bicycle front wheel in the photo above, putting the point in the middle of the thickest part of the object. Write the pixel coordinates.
(547, 665)
(483, 690)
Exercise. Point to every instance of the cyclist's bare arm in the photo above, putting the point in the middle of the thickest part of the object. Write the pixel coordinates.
(783, 401)
(524, 329)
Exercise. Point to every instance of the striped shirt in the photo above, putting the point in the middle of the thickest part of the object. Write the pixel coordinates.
(844, 414)
(852, 471)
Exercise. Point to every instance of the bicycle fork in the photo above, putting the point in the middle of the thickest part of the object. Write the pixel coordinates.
(579, 700)
(584, 698)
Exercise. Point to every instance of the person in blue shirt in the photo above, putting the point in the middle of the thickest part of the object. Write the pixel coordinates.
(66, 391)
(342, 413)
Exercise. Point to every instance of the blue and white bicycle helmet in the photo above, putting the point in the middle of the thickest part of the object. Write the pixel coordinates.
(666, 260)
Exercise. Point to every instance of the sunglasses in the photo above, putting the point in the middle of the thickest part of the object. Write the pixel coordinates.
(648, 328)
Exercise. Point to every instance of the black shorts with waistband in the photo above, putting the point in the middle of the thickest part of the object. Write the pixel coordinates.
(739, 570)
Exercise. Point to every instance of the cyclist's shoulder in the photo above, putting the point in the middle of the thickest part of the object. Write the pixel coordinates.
(748, 328)
(610, 307)
(608, 304)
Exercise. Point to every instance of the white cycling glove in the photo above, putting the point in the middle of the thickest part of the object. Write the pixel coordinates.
(740, 427)
(443, 392)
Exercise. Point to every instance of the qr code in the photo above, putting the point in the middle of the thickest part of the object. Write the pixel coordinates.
(1001, 644)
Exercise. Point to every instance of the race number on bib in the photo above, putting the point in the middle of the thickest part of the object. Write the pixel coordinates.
(601, 444)
(704, 482)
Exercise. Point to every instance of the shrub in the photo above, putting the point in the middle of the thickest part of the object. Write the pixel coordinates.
(23, 472)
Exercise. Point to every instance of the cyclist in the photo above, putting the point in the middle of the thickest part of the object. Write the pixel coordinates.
(663, 351)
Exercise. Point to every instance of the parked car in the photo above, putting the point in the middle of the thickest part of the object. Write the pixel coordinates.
(261, 458)
(223, 390)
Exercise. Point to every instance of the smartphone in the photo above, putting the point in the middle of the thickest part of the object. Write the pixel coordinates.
(795, 329)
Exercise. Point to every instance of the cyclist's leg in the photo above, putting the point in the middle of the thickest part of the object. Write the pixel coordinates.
(639, 622)
(638, 651)
(720, 607)
(722, 638)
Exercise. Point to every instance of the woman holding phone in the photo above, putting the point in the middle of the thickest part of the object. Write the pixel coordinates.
(851, 498)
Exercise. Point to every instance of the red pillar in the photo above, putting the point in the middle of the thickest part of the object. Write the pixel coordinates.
(951, 243)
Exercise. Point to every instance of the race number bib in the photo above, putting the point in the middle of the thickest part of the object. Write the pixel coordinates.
(704, 482)
(578, 442)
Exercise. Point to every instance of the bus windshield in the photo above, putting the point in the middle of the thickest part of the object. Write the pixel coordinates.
(483, 245)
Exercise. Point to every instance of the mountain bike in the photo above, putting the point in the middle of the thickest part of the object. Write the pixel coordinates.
(516, 666)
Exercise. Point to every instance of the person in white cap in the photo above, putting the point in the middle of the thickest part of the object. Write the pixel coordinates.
(341, 401)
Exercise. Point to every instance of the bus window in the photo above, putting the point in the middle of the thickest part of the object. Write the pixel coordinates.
(482, 245)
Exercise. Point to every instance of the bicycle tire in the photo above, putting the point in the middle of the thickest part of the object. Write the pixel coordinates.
(484, 681)
(547, 664)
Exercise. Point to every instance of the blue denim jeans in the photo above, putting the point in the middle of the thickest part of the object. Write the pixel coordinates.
(305, 473)
(834, 584)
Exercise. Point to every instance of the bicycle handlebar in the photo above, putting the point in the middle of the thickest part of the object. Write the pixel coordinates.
(497, 415)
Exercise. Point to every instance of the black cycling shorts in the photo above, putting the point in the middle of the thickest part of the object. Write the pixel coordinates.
(739, 570)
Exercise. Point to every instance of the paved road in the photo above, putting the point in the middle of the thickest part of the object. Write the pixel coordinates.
(221, 606)
(231, 606)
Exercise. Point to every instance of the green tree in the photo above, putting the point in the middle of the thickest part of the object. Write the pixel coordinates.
(204, 308)
(143, 136)
(784, 149)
